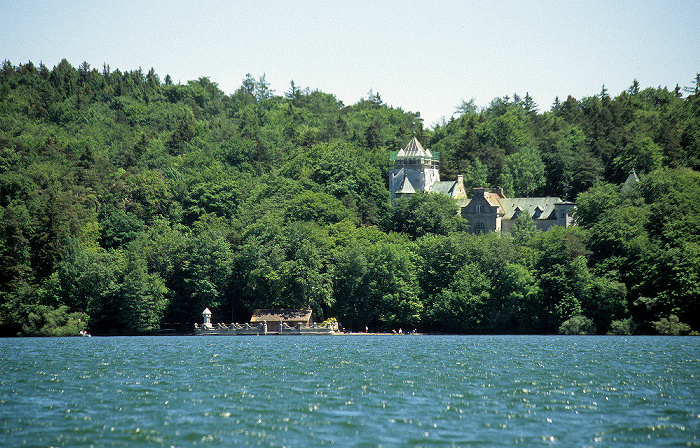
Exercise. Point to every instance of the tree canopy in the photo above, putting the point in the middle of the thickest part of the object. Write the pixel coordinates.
(129, 203)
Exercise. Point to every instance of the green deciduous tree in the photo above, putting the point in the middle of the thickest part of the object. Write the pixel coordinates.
(142, 299)
(15, 257)
(592, 205)
(579, 325)
(641, 154)
(378, 288)
(671, 326)
(47, 321)
(440, 257)
(114, 288)
(316, 207)
(605, 302)
(476, 175)
(524, 229)
(423, 213)
(562, 273)
(462, 307)
(523, 173)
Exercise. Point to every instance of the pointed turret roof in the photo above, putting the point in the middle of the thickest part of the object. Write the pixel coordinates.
(414, 149)
(630, 183)
(632, 177)
(406, 187)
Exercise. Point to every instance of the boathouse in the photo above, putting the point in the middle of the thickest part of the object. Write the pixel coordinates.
(276, 317)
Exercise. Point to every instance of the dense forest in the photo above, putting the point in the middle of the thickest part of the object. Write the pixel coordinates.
(128, 204)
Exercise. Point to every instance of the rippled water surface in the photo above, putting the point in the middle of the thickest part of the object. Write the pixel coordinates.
(301, 391)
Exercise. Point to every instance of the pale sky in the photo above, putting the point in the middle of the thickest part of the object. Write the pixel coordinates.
(422, 56)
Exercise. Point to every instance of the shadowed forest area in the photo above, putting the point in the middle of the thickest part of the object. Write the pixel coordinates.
(128, 204)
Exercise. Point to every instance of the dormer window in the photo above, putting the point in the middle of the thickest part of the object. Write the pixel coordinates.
(477, 209)
(516, 213)
(537, 214)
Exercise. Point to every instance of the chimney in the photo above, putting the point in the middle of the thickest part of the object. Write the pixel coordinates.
(460, 179)
(499, 192)
(480, 192)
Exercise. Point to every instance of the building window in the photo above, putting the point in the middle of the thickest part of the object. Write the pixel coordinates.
(477, 209)
(479, 227)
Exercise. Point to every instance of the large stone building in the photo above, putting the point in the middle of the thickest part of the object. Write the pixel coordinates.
(488, 212)
(417, 169)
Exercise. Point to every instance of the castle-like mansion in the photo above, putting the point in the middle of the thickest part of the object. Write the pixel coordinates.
(417, 169)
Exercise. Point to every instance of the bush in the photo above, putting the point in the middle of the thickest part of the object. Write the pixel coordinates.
(624, 327)
(49, 321)
(671, 326)
(577, 325)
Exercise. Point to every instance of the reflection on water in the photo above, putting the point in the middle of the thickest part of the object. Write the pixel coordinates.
(350, 391)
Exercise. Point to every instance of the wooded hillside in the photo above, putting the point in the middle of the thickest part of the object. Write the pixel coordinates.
(128, 204)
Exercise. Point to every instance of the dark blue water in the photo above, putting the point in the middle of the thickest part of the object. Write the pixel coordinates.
(364, 391)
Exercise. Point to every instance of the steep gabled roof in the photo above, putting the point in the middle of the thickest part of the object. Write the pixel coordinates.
(493, 199)
(546, 205)
(444, 187)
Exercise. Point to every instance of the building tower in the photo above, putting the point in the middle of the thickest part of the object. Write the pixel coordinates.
(414, 169)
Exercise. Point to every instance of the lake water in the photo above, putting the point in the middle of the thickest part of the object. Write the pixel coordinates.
(357, 391)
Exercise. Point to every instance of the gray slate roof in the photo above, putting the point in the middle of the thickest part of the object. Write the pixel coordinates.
(406, 187)
(512, 206)
(444, 187)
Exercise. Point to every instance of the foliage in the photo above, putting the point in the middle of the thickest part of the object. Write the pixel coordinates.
(460, 307)
(48, 321)
(524, 229)
(378, 288)
(523, 173)
(321, 208)
(671, 326)
(424, 213)
(577, 325)
(622, 327)
(129, 204)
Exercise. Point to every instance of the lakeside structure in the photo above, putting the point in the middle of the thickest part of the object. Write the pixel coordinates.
(268, 322)
(415, 169)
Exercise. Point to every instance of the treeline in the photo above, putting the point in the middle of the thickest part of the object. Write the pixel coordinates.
(129, 204)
